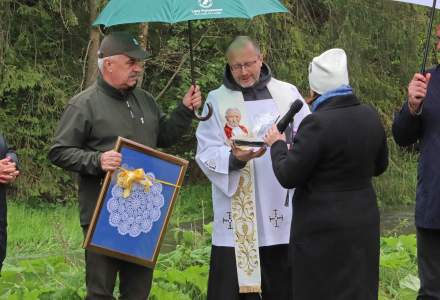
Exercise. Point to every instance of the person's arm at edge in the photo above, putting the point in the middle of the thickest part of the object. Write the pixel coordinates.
(406, 127)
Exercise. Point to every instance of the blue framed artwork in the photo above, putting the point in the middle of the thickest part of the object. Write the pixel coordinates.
(135, 204)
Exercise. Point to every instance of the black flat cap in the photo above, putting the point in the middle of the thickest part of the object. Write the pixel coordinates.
(121, 42)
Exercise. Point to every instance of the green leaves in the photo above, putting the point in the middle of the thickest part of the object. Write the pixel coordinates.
(48, 278)
(398, 270)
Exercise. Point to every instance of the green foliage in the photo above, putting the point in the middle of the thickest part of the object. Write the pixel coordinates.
(397, 185)
(398, 268)
(47, 262)
(43, 47)
(194, 203)
(48, 278)
(179, 274)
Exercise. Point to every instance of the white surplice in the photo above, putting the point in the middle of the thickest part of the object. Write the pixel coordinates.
(213, 151)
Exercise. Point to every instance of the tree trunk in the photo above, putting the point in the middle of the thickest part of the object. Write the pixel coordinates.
(143, 39)
(4, 17)
(93, 46)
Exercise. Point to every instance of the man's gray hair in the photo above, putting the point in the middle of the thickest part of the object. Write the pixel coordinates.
(239, 43)
(101, 62)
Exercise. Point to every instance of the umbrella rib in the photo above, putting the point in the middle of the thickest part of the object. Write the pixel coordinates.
(246, 9)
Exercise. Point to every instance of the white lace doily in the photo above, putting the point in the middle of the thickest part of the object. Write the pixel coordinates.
(136, 213)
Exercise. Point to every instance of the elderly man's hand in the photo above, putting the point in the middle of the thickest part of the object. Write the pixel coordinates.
(8, 171)
(273, 135)
(193, 98)
(110, 160)
(417, 92)
(246, 155)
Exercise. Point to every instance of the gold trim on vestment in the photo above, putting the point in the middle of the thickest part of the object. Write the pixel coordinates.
(245, 229)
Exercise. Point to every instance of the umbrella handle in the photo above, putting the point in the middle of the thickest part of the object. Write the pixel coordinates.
(208, 115)
(199, 117)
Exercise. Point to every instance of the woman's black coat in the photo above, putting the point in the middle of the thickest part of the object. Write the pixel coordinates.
(334, 244)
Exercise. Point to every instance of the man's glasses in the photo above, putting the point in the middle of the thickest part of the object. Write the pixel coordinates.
(245, 66)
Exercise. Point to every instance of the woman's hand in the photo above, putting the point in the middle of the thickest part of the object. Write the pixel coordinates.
(273, 135)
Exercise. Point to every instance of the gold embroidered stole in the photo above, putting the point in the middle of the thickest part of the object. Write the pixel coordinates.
(243, 206)
(244, 218)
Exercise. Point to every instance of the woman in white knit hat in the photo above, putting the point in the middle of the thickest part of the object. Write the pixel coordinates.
(334, 244)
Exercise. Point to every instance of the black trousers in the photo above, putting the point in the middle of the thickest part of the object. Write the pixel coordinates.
(223, 281)
(101, 271)
(3, 227)
(428, 255)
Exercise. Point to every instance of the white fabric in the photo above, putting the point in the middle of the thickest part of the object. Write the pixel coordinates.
(328, 71)
(138, 212)
(213, 158)
(421, 2)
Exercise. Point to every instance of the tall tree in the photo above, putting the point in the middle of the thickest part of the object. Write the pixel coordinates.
(143, 38)
(93, 46)
(4, 11)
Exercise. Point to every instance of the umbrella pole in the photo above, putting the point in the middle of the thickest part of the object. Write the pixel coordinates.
(191, 55)
(193, 80)
(428, 37)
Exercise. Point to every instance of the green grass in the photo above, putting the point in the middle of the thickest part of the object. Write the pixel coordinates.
(397, 185)
(45, 259)
(40, 231)
(194, 203)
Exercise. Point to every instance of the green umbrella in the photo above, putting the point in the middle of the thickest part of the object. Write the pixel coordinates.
(172, 11)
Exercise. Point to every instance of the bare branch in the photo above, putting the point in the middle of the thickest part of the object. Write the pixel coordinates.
(182, 62)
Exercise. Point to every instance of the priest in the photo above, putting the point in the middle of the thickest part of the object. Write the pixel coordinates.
(251, 220)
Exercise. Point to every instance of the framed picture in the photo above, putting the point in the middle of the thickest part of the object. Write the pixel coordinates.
(135, 204)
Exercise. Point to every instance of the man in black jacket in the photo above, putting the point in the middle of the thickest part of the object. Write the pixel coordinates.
(418, 120)
(334, 243)
(8, 173)
(87, 133)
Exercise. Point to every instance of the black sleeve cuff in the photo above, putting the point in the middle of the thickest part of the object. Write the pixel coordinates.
(407, 114)
(279, 145)
(235, 164)
(188, 113)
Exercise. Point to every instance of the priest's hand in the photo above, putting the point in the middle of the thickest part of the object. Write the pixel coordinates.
(417, 90)
(246, 155)
(273, 135)
(110, 160)
(193, 98)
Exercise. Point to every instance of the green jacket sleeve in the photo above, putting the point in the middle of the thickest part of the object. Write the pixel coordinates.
(68, 150)
(172, 128)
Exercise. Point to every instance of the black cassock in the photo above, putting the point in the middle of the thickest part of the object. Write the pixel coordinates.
(334, 244)
(223, 282)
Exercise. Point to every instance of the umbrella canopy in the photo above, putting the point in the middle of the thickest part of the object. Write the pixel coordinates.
(433, 4)
(172, 11)
(420, 2)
